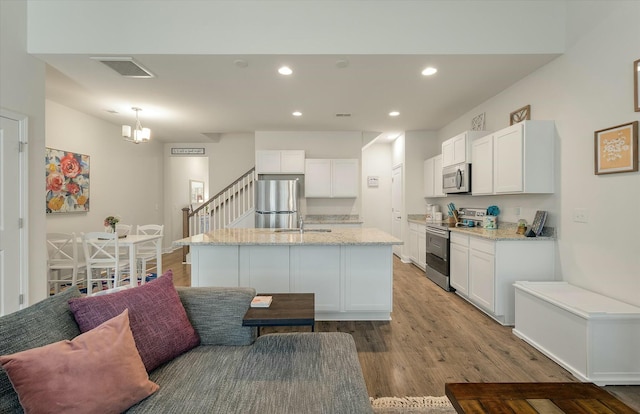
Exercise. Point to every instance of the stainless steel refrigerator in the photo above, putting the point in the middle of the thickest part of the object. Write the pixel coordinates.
(277, 204)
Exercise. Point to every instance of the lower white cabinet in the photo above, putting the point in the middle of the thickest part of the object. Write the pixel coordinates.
(350, 282)
(483, 271)
(418, 245)
(459, 263)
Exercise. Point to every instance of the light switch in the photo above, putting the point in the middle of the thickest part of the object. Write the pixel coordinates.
(581, 215)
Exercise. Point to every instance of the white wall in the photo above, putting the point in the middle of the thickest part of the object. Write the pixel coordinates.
(376, 201)
(587, 89)
(125, 178)
(229, 158)
(22, 91)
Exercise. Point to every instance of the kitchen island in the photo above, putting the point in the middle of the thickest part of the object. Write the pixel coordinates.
(350, 270)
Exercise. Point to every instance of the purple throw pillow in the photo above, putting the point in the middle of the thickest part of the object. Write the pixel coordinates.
(159, 323)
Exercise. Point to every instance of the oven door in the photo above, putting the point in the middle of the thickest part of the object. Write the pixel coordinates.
(438, 250)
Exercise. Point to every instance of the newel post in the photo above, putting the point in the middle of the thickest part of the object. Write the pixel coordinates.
(185, 231)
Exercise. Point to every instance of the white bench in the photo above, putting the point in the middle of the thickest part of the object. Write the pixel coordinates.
(595, 337)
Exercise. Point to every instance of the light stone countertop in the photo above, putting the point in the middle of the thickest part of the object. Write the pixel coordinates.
(269, 237)
(505, 231)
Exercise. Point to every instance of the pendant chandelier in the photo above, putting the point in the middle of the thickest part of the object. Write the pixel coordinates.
(140, 134)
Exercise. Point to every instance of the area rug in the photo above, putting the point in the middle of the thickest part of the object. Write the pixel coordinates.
(413, 405)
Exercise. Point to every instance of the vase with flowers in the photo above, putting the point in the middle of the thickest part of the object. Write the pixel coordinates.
(110, 223)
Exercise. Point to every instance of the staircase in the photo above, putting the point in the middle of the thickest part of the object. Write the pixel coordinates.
(221, 210)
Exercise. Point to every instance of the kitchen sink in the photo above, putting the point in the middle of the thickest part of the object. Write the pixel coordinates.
(304, 230)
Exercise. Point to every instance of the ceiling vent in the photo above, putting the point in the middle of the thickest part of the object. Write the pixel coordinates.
(125, 66)
(344, 115)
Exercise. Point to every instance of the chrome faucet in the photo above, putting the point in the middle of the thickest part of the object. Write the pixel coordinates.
(301, 225)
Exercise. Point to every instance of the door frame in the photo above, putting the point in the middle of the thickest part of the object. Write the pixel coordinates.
(23, 196)
(398, 250)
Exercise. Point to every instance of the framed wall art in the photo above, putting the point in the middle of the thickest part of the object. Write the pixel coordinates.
(477, 123)
(520, 114)
(67, 181)
(616, 149)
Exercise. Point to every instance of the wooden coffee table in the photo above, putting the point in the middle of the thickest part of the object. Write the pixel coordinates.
(539, 397)
(286, 309)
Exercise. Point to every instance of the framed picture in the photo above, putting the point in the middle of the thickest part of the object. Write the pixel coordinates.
(67, 181)
(197, 191)
(477, 123)
(616, 149)
(636, 85)
(520, 115)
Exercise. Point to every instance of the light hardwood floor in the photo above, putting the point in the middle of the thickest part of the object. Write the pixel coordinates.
(435, 337)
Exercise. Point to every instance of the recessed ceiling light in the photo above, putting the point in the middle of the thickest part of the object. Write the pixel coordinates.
(297, 113)
(429, 71)
(342, 63)
(394, 113)
(285, 70)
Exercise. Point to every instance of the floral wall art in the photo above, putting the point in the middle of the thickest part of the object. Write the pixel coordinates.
(67, 181)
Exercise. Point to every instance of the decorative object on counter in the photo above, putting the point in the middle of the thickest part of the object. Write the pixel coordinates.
(538, 224)
(616, 149)
(490, 222)
(477, 123)
(493, 210)
(437, 216)
(110, 223)
(519, 115)
(522, 226)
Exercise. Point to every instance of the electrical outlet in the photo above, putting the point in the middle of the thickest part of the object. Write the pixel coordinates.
(516, 211)
(581, 215)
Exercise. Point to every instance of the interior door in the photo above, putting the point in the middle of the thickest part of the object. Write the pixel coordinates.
(396, 207)
(12, 280)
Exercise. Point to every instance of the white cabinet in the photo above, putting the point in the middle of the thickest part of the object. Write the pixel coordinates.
(433, 177)
(317, 269)
(458, 149)
(325, 178)
(280, 162)
(516, 159)
(459, 263)
(482, 165)
(593, 336)
(483, 271)
(418, 244)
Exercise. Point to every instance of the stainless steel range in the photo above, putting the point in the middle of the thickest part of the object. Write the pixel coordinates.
(438, 245)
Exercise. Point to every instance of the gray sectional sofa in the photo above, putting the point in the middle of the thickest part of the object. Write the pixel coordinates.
(229, 372)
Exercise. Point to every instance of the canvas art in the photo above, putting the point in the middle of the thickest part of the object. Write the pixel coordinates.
(67, 181)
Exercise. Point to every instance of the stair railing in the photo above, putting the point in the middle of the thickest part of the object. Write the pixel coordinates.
(220, 210)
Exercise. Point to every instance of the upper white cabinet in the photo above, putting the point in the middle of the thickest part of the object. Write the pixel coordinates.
(482, 165)
(516, 159)
(433, 177)
(458, 149)
(280, 162)
(325, 178)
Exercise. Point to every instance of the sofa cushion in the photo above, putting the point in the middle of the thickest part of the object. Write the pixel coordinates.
(280, 373)
(158, 320)
(97, 372)
(216, 314)
(40, 324)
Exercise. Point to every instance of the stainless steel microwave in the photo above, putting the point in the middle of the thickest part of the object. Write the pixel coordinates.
(456, 178)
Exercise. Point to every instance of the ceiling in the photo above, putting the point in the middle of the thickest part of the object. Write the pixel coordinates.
(193, 95)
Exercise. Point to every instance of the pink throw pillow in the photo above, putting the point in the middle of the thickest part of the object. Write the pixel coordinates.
(99, 372)
(159, 323)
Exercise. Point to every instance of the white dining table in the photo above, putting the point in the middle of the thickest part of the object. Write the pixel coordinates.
(132, 241)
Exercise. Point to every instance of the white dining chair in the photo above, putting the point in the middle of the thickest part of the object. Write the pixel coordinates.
(104, 261)
(146, 252)
(65, 261)
(123, 229)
